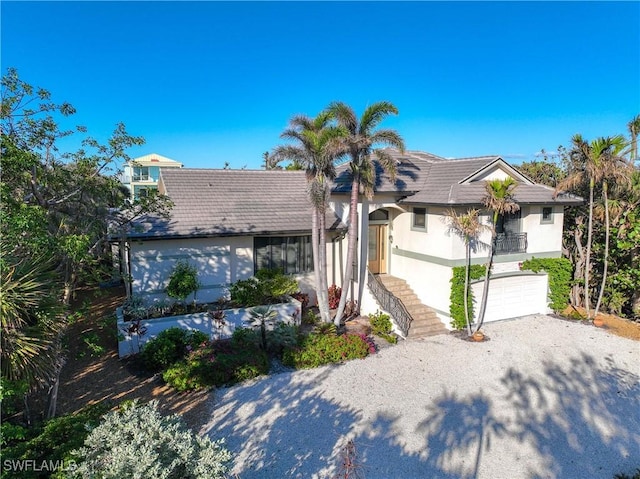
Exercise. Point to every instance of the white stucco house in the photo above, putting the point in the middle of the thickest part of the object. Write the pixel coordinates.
(232, 222)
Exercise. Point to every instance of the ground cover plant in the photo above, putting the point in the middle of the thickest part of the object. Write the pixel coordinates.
(381, 326)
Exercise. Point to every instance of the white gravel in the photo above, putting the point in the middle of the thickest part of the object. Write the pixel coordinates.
(543, 398)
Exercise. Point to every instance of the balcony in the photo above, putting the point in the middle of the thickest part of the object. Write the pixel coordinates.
(507, 243)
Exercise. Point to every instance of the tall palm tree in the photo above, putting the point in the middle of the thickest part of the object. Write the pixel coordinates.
(468, 227)
(361, 144)
(317, 148)
(609, 164)
(595, 163)
(499, 201)
(634, 130)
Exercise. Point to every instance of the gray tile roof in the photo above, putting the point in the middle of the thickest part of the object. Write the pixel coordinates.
(210, 202)
(424, 178)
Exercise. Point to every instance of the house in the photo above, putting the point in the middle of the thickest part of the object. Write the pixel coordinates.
(141, 175)
(229, 223)
(233, 222)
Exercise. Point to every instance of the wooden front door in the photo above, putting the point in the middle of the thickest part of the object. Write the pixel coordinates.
(378, 249)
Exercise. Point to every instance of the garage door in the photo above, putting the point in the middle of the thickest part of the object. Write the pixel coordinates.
(513, 295)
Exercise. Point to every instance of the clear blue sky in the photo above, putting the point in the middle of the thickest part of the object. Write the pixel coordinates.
(209, 82)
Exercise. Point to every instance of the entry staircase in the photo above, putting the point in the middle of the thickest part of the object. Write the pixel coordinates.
(424, 321)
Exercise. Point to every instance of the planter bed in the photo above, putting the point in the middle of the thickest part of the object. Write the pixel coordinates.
(130, 342)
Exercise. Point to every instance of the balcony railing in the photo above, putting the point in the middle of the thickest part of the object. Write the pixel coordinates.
(390, 303)
(511, 243)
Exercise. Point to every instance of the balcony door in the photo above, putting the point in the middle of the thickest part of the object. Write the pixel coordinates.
(378, 248)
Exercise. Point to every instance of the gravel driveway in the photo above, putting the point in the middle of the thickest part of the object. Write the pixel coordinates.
(543, 398)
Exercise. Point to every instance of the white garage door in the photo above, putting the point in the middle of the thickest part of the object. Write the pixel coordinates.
(511, 296)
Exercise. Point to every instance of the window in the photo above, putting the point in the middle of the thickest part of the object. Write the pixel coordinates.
(140, 173)
(547, 215)
(292, 254)
(419, 222)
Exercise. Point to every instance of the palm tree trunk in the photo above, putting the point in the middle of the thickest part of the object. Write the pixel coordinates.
(466, 285)
(587, 268)
(605, 266)
(322, 246)
(322, 306)
(351, 247)
(487, 273)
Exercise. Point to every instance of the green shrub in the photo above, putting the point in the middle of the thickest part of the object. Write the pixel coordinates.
(381, 326)
(456, 307)
(183, 281)
(218, 363)
(169, 346)
(318, 349)
(137, 441)
(268, 286)
(56, 440)
(560, 271)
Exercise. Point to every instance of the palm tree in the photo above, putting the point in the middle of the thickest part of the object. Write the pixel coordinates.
(500, 201)
(595, 163)
(634, 130)
(468, 226)
(360, 143)
(317, 149)
(32, 321)
(609, 164)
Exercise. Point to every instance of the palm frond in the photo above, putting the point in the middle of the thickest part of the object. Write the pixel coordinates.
(388, 138)
(374, 114)
(345, 116)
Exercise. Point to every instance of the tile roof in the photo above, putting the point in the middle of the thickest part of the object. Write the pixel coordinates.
(424, 178)
(210, 202)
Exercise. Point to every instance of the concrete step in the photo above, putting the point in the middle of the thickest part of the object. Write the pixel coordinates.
(425, 321)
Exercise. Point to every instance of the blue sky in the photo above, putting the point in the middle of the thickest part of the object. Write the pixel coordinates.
(210, 82)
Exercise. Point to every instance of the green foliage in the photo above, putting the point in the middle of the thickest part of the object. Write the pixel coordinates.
(456, 308)
(310, 318)
(56, 440)
(559, 271)
(92, 343)
(268, 286)
(318, 349)
(217, 363)
(138, 441)
(183, 281)
(326, 328)
(31, 318)
(381, 326)
(169, 346)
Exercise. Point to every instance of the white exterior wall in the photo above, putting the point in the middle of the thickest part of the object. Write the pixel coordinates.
(220, 261)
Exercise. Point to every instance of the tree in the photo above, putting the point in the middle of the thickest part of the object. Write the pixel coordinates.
(58, 202)
(31, 318)
(360, 143)
(468, 227)
(270, 162)
(594, 163)
(317, 148)
(609, 164)
(499, 201)
(634, 130)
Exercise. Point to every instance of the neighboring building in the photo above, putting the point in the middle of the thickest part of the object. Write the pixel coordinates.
(233, 222)
(141, 175)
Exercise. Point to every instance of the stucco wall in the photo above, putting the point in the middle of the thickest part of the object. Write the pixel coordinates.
(220, 261)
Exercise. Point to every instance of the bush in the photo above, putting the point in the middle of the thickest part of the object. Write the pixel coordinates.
(183, 281)
(56, 440)
(218, 363)
(456, 307)
(381, 326)
(137, 441)
(334, 296)
(318, 349)
(169, 346)
(267, 287)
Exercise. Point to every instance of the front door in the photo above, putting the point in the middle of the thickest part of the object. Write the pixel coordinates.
(378, 249)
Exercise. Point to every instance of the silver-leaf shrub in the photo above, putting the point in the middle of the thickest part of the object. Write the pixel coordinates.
(138, 442)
